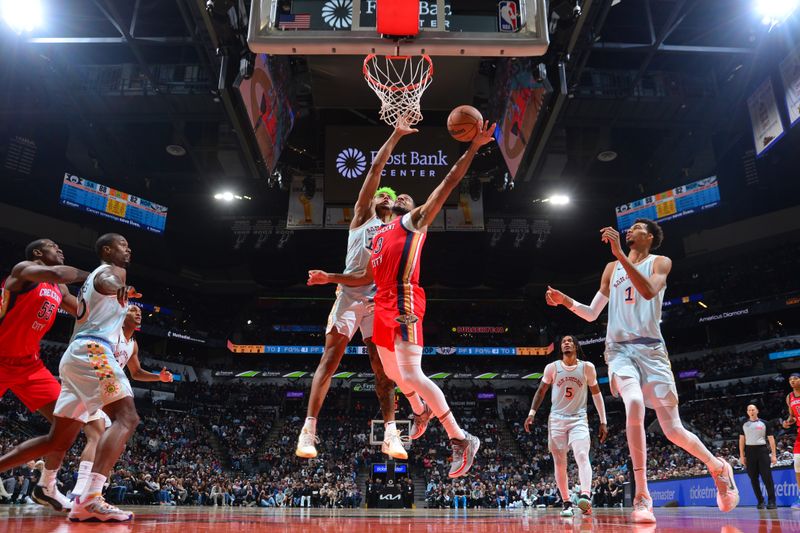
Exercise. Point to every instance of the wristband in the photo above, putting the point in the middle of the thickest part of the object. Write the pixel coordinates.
(531, 413)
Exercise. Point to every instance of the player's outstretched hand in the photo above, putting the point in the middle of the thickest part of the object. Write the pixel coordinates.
(126, 293)
(485, 133)
(165, 376)
(611, 237)
(528, 424)
(553, 297)
(317, 277)
(603, 435)
(403, 129)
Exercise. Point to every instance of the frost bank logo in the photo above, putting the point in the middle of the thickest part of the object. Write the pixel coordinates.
(351, 163)
(338, 14)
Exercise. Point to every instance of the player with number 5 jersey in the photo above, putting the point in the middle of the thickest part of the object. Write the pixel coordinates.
(29, 300)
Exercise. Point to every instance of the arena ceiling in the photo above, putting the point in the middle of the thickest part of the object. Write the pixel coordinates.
(62, 88)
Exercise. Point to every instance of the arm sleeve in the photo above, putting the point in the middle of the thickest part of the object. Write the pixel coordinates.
(767, 425)
(600, 406)
(590, 312)
(549, 374)
(590, 374)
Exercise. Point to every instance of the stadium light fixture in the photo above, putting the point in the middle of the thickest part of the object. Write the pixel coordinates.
(773, 12)
(558, 199)
(22, 16)
(228, 196)
(701, 304)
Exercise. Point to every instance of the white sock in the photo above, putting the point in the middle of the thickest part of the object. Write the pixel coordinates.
(389, 426)
(84, 469)
(311, 425)
(452, 428)
(48, 478)
(417, 406)
(94, 487)
(631, 393)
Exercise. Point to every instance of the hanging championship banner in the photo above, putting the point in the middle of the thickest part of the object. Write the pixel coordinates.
(305, 205)
(338, 217)
(790, 73)
(468, 216)
(767, 126)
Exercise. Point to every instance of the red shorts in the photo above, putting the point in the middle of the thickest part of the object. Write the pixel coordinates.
(389, 325)
(29, 380)
(797, 442)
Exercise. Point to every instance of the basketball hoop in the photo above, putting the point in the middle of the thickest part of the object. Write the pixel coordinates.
(399, 82)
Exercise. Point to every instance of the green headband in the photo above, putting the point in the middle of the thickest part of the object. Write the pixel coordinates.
(389, 191)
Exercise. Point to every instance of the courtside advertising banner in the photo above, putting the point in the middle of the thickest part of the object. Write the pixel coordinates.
(790, 73)
(767, 126)
(701, 491)
(305, 212)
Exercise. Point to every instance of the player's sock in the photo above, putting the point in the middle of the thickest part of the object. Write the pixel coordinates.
(670, 419)
(631, 393)
(311, 425)
(84, 469)
(94, 486)
(562, 481)
(48, 478)
(580, 450)
(389, 426)
(450, 425)
(417, 407)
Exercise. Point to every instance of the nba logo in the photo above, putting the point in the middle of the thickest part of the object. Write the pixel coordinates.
(508, 16)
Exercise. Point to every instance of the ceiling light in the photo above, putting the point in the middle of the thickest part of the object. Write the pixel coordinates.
(176, 150)
(558, 199)
(22, 16)
(606, 156)
(701, 304)
(226, 196)
(774, 12)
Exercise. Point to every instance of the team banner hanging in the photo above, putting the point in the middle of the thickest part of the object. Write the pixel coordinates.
(338, 217)
(468, 216)
(767, 126)
(305, 212)
(790, 73)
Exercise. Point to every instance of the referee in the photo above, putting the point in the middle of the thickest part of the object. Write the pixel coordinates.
(753, 453)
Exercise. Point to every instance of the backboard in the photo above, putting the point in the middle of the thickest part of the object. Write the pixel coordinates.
(505, 28)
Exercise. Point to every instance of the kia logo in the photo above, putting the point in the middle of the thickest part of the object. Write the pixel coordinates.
(351, 163)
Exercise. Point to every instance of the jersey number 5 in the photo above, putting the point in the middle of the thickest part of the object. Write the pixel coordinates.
(568, 392)
(46, 311)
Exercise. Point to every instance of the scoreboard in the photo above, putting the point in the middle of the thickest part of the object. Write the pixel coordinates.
(105, 201)
(680, 201)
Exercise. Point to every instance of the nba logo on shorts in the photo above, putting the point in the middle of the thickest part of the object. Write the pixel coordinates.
(508, 16)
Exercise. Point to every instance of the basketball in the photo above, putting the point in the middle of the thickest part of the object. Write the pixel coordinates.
(463, 123)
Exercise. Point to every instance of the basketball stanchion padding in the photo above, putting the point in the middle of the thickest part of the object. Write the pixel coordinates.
(397, 18)
(399, 82)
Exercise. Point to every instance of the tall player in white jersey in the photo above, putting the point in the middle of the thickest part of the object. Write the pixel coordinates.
(126, 352)
(354, 307)
(92, 379)
(638, 364)
(571, 378)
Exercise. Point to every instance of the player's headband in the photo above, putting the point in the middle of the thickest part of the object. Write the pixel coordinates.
(794, 375)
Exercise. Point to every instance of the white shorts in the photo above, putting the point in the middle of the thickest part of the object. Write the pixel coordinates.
(563, 432)
(349, 314)
(90, 378)
(100, 415)
(647, 363)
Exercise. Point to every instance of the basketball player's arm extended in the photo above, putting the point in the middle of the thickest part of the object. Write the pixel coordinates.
(790, 420)
(554, 298)
(140, 374)
(36, 273)
(370, 185)
(69, 302)
(424, 215)
(538, 397)
(597, 397)
(112, 281)
(351, 279)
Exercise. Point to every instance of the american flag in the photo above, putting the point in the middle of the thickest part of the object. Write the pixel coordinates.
(300, 21)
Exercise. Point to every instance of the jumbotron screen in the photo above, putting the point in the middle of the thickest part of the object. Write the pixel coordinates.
(680, 201)
(107, 202)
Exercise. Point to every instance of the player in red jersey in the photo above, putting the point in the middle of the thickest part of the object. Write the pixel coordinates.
(29, 299)
(793, 403)
(400, 306)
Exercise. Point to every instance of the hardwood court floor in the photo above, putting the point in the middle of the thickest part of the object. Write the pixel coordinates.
(35, 519)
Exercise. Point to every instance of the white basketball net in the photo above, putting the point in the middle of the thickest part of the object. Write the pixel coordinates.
(399, 82)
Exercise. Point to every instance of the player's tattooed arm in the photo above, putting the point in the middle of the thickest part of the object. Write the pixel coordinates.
(538, 398)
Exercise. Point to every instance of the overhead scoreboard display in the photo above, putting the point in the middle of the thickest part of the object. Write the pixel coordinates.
(680, 201)
(105, 201)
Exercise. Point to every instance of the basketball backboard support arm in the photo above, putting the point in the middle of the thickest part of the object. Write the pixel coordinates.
(264, 36)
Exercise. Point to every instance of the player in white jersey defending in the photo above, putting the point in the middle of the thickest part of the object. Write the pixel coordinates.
(354, 307)
(126, 352)
(570, 378)
(638, 364)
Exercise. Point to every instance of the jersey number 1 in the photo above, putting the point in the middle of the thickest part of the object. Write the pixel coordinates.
(629, 295)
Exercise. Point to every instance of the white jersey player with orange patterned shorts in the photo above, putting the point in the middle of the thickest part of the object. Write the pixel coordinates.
(126, 352)
(570, 379)
(639, 370)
